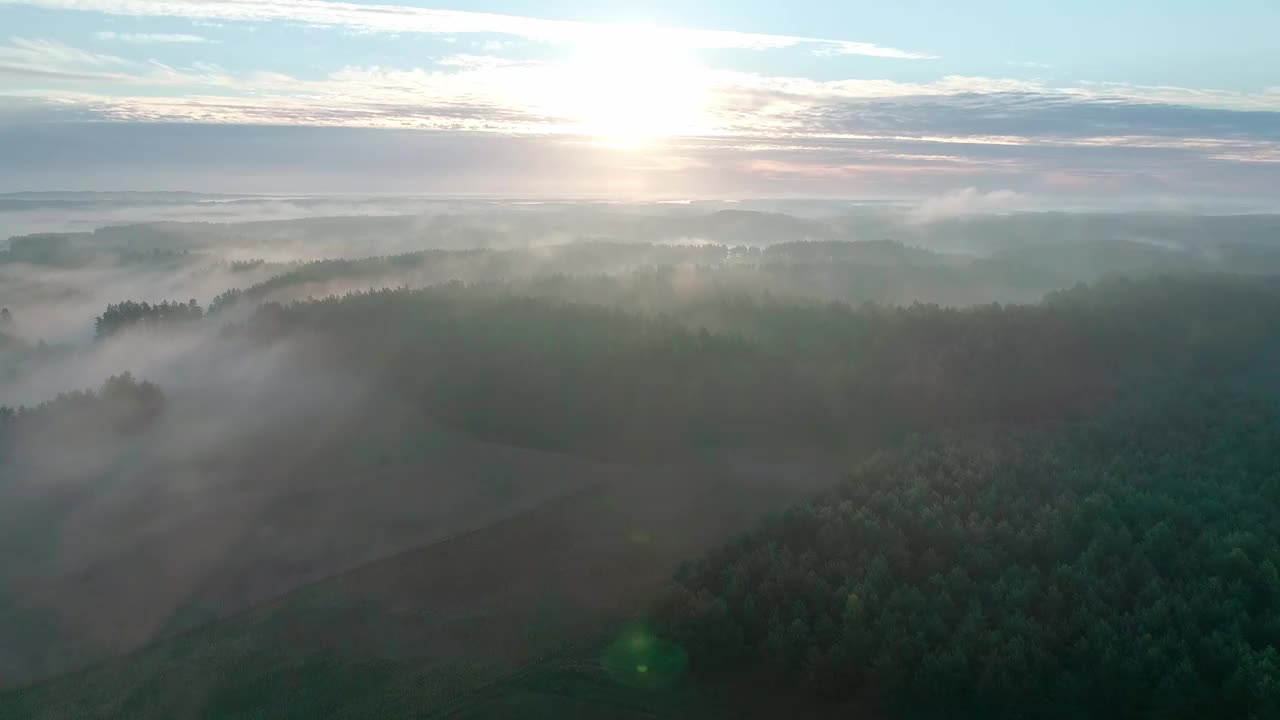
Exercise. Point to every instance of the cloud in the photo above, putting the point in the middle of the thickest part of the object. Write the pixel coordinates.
(847, 128)
(507, 95)
(480, 62)
(53, 60)
(994, 106)
(276, 158)
(152, 38)
(50, 59)
(404, 18)
(51, 54)
(993, 132)
(968, 201)
(779, 127)
(24, 71)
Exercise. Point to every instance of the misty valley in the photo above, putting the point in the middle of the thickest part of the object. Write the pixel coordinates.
(379, 457)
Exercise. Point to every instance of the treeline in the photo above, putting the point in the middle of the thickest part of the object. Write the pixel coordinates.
(872, 252)
(68, 250)
(122, 403)
(646, 277)
(144, 315)
(1129, 571)
(737, 371)
(427, 267)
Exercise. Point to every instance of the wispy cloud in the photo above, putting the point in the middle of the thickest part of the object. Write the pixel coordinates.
(982, 131)
(404, 19)
(50, 59)
(45, 59)
(488, 93)
(152, 38)
(267, 157)
(44, 52)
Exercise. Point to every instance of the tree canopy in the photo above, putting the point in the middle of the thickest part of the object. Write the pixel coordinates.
(133, 315)
(736, 370)
(1127, 571)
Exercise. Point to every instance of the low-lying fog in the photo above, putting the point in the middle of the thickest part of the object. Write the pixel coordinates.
(961, 248)
(184, 497)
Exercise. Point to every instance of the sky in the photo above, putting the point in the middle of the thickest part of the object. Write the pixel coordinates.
(1142, 99)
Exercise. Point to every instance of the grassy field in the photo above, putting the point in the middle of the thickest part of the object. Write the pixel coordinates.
(467, 627)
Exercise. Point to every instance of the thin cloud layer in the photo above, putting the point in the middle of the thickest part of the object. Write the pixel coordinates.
(645, 104)
(277, 158)
(148, 38)
(411, 19)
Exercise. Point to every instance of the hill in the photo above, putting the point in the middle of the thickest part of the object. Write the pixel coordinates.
(1126, 570)
(440, 620)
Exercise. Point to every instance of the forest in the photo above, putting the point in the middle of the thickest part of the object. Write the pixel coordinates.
(698, 480)
(122, 404)
(639, 360)
(553, 375)
(1125, 570)
(134, 315)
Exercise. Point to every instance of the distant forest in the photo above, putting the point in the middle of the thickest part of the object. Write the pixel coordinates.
(574, 377)
(732, 369)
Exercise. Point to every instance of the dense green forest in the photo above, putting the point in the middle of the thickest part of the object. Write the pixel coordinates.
(132, 315)
(648, 276)
(1071, 509)
(1126, 570)
(740, 371)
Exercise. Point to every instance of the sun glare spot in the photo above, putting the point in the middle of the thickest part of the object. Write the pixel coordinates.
(632, 85)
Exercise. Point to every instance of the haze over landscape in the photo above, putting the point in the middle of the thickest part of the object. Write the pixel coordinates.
(694, 360)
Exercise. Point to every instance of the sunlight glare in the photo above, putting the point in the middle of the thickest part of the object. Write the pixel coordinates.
(631, 85)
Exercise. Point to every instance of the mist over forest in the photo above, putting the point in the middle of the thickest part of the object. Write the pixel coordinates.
(319, 456)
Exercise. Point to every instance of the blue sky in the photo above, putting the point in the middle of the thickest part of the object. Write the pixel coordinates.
(854, 98)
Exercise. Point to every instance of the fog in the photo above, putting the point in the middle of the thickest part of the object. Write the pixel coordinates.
(299, 438)
(265, 470)
(100, 248)
(29, 213)
(961, 247)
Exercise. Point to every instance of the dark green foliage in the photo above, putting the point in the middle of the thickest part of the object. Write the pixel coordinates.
(655, 277)
(123, 403)
(225, 300)
(245, 265)
(144, 315)
(663, 277)
(1127, 571)
(588, 379)
(79, 250)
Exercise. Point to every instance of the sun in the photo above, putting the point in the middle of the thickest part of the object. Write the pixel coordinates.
(631, 85)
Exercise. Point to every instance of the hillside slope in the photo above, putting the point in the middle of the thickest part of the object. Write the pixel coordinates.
(470, 606)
